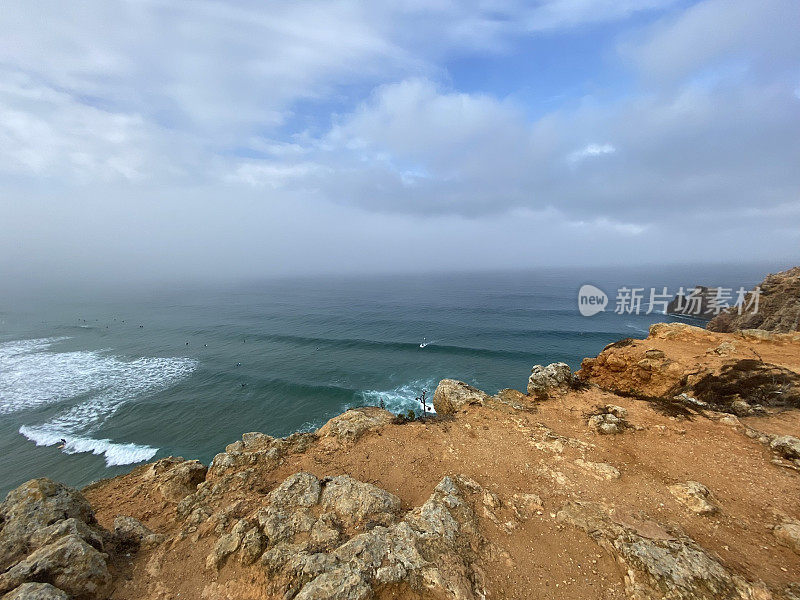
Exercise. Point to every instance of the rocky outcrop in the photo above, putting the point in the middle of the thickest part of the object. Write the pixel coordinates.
(660, 562)
(50, 536)
(736, 377)
(451, 396)
(778, 307)
(176, 478)
(352, 424)
(552, 379)
(340, 538)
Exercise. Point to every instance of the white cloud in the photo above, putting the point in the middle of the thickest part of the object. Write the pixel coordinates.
(591, 150)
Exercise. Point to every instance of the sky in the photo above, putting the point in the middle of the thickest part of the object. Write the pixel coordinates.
(169, 140)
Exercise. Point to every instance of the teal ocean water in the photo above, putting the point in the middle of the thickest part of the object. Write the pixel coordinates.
(133, 375)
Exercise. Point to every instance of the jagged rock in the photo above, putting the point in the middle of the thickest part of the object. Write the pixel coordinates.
(786, 446)
(695, 496)
(176, 478)
(130, 533)
(545, 381)
(451, 396)
(315, 557)
(778, 307)
(255, 451)
(69, 563)
(788, 534)
(36, 591)
(598, 470)
(352, 424)
(37, 509)
(660, 564)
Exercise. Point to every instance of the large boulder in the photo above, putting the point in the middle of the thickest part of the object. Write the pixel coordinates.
(352, 424)
(69, 563)
(545, 381)
(452, 395)
(38, 512)
(50, 536)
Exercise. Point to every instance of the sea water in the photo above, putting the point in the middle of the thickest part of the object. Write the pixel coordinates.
(132, 374)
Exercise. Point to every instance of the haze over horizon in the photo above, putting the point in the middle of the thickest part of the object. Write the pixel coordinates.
(159, 139)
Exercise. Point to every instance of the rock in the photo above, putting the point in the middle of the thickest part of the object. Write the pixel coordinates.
(698, 306)
(176, 478)
(354, 501)
(130, 533)
(69, 564)
(607, 422)
(227, 545)
(598, 470)
(430, 550)
(788, 534)
(659, 563)
(654, 354)
(786, 446)
(544, 381)
(34, 506)
(525, 505)
(778, 307)
(617, 411)
(740, 408)
(724, 349)
(340, 584)
(91, 534)
(695, 496)
(451, 396)
(352, 424)
(36, 591)
(684, 398)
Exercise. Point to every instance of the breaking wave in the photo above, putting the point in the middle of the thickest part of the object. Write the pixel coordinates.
(97, 385)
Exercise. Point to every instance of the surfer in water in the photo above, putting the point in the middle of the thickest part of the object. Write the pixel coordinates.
(62, 444)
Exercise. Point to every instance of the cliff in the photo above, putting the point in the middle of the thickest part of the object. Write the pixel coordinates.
(631, 479)
(778, 308)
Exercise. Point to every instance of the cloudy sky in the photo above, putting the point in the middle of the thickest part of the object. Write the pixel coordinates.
(166, 138)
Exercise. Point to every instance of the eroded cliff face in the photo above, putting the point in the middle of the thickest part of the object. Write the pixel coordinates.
(632, 479)
(778, 309)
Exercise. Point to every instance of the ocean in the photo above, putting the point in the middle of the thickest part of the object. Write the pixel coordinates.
(132, 374)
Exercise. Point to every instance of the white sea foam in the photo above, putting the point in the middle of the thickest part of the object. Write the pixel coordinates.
(114, 453)
(32, 376)
(403, 397)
